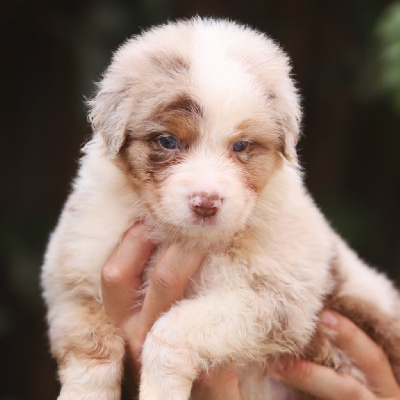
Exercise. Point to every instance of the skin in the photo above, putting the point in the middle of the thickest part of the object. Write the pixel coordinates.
(121, 278)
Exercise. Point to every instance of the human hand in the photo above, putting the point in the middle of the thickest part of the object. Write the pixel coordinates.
(327, 384)
(121, 278)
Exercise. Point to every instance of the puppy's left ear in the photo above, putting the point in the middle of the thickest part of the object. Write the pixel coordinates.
(288, 115)
(289, 128)
(109, 113)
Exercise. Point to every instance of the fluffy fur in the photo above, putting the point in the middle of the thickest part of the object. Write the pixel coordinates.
(195, 127)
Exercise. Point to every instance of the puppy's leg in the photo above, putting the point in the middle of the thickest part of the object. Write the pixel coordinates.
(88, 349)
(199, 333)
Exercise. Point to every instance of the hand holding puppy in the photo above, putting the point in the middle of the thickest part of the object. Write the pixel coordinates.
(121, 279)
(324, 383)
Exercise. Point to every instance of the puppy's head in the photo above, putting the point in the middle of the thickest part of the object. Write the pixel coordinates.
(200, 114)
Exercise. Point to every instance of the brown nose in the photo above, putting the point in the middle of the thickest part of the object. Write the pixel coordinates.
(205, 204)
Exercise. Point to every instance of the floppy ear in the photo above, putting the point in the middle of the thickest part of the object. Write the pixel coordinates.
(109, 113)
(287, 115)
(289, 127)
(282, 97)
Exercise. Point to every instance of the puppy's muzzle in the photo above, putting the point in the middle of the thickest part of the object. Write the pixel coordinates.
(205, 204)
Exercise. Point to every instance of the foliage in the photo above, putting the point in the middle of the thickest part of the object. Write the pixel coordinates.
(384, 66)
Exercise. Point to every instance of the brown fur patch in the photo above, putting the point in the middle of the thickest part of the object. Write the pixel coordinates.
(181, 118)
(182, 126)
(258, 284)
(99, 341)
(258, 165)
(285, 129)
(145, 157)
(260, 132)
(132, 158)
(184, 103)
(260, 159)
(169, 64)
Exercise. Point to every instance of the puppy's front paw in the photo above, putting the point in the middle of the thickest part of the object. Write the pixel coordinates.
(67, 394)
(90, 381)
(168, 370)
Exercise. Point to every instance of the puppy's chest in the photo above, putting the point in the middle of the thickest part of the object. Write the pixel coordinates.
(217, 271)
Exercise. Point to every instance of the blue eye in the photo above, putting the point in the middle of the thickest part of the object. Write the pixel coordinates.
(168, 142)
(240, 145)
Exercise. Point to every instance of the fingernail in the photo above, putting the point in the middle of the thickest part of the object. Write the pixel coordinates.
(329, 319)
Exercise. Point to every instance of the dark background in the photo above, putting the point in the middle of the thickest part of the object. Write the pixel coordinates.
(346, 59)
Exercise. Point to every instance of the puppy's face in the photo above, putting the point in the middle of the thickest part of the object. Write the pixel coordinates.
(198, 134)
(197, 175)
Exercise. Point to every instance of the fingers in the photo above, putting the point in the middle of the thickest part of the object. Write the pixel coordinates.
(325, 383)
(120, 276)
(367, 355)
(320, 382)
(168, 283)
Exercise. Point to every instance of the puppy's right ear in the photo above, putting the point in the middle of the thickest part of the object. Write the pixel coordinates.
(109, 113)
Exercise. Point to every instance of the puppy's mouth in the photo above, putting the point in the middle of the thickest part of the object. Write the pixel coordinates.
(204, 221)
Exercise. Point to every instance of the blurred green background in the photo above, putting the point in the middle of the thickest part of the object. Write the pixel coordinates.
(346, 59)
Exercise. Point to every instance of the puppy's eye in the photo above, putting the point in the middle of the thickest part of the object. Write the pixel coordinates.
(168, 142)
(240, 145)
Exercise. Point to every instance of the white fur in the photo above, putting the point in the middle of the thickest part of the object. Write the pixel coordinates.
(267, 274)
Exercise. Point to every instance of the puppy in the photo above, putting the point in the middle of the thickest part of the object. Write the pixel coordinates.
(195, 126)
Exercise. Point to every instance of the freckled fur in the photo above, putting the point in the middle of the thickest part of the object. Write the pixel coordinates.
(273, 262)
